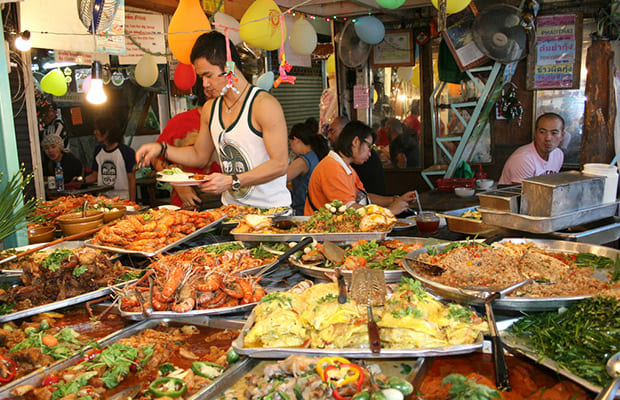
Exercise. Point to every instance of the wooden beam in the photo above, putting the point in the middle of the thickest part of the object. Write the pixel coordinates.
(160, 6)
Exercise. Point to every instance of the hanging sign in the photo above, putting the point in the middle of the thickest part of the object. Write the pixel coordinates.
(147, 29)
(361, 96)
(555, 61)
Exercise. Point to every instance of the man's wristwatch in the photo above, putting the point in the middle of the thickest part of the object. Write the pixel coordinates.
(236, 183)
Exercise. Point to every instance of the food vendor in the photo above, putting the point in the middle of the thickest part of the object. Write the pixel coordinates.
(334, 179)
(541, 156)
(245, 125)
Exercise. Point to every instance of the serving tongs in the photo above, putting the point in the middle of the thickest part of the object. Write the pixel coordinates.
(284, 256)
(336, 255)
(432, 269)
(368, 287)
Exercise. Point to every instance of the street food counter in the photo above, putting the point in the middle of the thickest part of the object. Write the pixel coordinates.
(252, 303)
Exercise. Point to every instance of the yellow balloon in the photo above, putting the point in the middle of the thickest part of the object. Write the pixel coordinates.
(330, 66)
(415, 77)
(146, 71)
(188, 17)
(375, 96)
(453, 6)
(265, 32)
(54, 83)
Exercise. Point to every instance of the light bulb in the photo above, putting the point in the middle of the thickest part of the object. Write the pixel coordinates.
(22, 41)
(96, 95)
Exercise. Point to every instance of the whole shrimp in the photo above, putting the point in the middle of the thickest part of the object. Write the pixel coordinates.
(186, 301)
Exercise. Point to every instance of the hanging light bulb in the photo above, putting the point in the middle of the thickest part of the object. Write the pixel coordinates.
(22, 41)
(96, 95)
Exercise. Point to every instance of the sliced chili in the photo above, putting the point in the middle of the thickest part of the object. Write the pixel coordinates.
(357, 377)
(200, 368)
(11, 366)
(90, 356)
(168, 386)
(50, 380)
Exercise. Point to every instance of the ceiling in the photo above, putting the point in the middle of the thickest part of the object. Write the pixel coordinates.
(333, 8)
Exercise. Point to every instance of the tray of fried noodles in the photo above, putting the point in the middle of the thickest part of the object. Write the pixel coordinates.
(309, 320)
(154, 231)
(236, 212)
(334, 222)
(562, 272)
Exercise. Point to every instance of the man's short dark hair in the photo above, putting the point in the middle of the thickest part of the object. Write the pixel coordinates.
(352, 130)
(551, 115)
(112, 127)
(212, 46)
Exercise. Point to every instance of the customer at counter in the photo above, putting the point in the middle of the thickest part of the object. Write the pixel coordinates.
(370, 171)
(55, 152)
(540, 157)
(246, 127)
(334, 179)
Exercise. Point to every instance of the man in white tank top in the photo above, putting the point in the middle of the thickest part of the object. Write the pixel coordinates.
(245, 126)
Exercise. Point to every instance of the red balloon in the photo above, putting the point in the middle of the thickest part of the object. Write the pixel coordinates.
(184, 76)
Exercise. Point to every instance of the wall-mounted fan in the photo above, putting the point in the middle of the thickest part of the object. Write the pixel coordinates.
(352, 50)
(97, 15)
(499, 34)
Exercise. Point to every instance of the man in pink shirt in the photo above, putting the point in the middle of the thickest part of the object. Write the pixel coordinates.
(540, 157)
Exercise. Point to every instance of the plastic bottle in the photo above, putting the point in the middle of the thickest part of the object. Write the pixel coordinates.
(60, 178)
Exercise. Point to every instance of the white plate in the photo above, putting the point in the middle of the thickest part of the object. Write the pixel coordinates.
(181, 180)
(403, 223)
(170, 207)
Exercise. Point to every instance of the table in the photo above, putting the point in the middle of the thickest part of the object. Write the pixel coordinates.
(444, 201)
(53, 194)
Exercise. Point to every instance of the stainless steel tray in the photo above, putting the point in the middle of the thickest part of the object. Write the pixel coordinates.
(57, 304)
(233, 223)
(138, 316)
(468, 226)
(283, 352)
(598, 232)
(391, 276)
(528, 223)
(36, 377)
(337, 237)
(197, 232)
(515, 303)
(64, 245)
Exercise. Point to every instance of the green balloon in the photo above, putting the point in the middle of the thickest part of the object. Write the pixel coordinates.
(54, 83)
(390, 3)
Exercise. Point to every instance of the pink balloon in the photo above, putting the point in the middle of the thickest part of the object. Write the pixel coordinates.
(184, 76)
(86, 83)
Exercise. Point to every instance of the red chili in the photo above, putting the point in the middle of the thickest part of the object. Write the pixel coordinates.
(50, 380)
(13, 369)
(358, 383)
(90, 356)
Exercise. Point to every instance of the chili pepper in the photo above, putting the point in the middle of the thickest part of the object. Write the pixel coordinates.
(12, 366)
(50, 380)
(325, 361)
(90, 356)
(357, 377)
(207, 369)
(168, 386)
(342, 377)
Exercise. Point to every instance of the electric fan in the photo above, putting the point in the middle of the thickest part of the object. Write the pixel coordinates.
(499, 34)
(97, 15)
(352, 50)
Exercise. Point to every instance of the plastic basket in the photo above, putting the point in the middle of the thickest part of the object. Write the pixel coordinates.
(448, 185)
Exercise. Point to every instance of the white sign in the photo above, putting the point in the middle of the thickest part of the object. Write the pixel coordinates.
(147, 29)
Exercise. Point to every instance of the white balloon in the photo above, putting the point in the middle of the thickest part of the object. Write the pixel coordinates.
(265, 81)
(303, 37)
(146, 71)
(404, 73)
(227, 21)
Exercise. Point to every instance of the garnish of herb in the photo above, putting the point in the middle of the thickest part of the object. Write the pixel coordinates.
(55, 259)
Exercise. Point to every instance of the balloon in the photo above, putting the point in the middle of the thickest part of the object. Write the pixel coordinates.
(375, 96)
(265, 81)
(454, 89)
(224, 19)
(415, 76)
(188, 16)
(390, 3)
(146, 72)
(405, 73)
(370, 29)
(453, 6)
(265, 33)
(330, 65)
(86, 83)
(303, 37)
(184, 76)
(54, 83)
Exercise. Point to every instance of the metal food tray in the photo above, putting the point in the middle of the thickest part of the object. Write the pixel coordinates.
(232, 224)
(138, 316)
(468, 226)
(16, 279)
(283, 352)
(391, 276)
(531, 224)
(197, 232)
(520, 347)
(72, 244)
(37, 376)
(473, 297)
(337, 237)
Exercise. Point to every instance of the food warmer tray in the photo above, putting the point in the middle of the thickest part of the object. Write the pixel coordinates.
(283, 352)
(520, 347)
(16, 279)
(473, 297)
(391, 276)
(336, 237)
(232, 224)
(532, 224)
(197, 232)
(37, 376)
(468, 226)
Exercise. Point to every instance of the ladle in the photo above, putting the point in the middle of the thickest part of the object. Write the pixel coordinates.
(613, 369)
(84, 207)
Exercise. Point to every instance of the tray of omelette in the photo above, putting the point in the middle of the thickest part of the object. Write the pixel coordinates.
(308, 320)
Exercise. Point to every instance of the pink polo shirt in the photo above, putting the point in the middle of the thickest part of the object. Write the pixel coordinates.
(525, 162)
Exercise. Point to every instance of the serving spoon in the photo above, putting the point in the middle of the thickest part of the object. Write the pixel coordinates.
(613, 369)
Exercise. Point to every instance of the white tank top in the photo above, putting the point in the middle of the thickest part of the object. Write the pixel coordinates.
(240, 148)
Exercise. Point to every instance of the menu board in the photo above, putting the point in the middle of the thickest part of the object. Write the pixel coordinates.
(555, 60)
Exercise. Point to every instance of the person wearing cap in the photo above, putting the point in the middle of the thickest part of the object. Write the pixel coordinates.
(55, 152)
(51, 123)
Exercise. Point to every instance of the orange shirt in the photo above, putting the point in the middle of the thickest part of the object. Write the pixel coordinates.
(332, 180)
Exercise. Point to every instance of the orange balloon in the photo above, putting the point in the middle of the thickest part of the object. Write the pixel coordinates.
(454, 89)
(189, 16)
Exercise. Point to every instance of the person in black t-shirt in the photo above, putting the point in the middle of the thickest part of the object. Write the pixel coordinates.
(404, 149)
(54, 152)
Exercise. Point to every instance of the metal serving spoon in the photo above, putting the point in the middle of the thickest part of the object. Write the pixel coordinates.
(613, 369)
